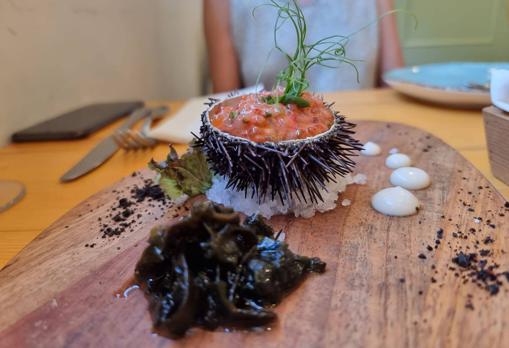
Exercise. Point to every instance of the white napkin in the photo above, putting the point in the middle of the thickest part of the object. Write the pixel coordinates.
(500, 88)
(177, 129)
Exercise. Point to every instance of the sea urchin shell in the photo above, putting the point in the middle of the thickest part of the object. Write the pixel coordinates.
(279, 170)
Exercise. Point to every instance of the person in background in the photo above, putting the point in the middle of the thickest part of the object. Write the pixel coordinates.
(239, 43)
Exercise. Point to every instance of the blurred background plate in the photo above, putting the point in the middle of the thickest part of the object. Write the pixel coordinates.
(457, 83)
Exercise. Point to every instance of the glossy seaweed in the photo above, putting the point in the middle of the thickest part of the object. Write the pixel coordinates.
(213, 270)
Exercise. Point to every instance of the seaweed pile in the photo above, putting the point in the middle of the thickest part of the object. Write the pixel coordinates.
(213, 270)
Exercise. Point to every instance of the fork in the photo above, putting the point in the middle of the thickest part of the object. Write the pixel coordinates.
(129, 139)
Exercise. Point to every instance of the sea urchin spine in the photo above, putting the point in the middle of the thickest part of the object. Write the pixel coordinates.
(280, 170)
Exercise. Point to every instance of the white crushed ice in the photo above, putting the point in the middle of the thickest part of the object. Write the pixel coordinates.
(393, 150)
(346, 202)
(244, 203)
(360, 179)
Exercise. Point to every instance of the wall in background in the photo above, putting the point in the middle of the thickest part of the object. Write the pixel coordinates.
(464, 30)
(56, 55)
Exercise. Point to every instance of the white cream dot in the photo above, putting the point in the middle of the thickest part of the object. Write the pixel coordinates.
(371, 149)
(395, 201)
(410, 178)
(398, 160)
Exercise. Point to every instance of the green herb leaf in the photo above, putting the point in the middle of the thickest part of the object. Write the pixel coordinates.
(170, 187)
(269, 99)
(299, 101)
(194, 173)
(188, 174)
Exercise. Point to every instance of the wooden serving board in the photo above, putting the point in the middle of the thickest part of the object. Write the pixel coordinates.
(376, 290)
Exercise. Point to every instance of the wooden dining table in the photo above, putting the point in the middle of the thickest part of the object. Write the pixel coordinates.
(39, 165)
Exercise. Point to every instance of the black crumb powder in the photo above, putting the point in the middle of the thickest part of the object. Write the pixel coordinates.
(464, 260)
(130, 206)
(482, 272)
(472, 246)
(149, 190)
(488, 240)
(492, 289)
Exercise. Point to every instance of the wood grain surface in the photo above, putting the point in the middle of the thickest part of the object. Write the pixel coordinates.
(39, 165)
(376, 290)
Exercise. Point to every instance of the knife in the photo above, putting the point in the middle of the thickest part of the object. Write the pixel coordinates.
(107, 147)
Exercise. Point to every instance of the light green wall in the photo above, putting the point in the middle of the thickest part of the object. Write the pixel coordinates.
(454, 30)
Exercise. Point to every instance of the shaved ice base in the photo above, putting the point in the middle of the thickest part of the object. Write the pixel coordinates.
(267, 208)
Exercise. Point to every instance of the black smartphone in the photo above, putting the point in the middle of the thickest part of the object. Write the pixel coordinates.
(77, 123)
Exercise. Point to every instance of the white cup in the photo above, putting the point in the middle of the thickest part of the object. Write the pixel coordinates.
(499, 89)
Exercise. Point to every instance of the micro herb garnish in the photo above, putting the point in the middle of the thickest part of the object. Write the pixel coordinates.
(233, 114)
(328, 52)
